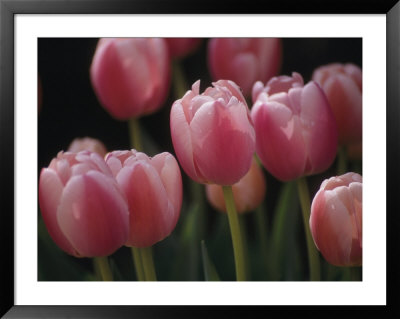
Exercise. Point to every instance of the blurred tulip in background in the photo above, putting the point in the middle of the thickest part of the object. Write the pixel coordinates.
(89, 144)
(248, 193)
(244, 60)
(181, 47)
(131, 76)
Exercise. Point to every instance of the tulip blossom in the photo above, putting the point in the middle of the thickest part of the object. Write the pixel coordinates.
(248, 193)
(153, 188)
(89, 144)
(342, 84)
(181, 47)
(244, 60)
(336, 220)
(84, 211)
(131, 76)
(296, 132)
(212, 133)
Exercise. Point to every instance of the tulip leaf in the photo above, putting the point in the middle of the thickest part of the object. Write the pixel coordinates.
(187, 263)
(210, 273)
(281, 228)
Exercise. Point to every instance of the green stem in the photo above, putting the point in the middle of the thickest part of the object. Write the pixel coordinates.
(104, 267)
(242, 224)
(305, 207)
(235, 233)
(137, 260)
(134, 133)
(342, 161)
(178, 80)
(148, 263)
(261, 226)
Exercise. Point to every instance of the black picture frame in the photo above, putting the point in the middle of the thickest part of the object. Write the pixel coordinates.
(8, 10)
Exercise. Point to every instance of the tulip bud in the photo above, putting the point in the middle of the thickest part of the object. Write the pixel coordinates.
(89, 144)
(342, 84)
(296, 132)
(212, 133)
(336, 220)
(84, 211)
(153, 188)
(131, 76)
(244, 60)
(181, 47)
(248, 193)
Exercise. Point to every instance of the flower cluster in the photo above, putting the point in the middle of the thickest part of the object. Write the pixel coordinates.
(92, 206)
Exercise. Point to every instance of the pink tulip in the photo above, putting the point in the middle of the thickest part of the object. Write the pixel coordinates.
(131, 76)
(153, 187)
(296, 132)
(248, 193)
(84, 211)
(342, 84)
(181, 47)
(89, 144)
(244, 60)
(212, 133)
(336, 220)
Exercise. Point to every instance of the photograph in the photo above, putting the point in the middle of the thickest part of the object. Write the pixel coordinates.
(200, 159)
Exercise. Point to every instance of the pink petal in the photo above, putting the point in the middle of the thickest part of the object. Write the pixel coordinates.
(110, 79)
(319, 127)
(50, 190)
(218, 160)
(279, 144)
(233, 88)
(258, 87)
(93, 215)
(245, 68)
(346, 102)
(269, 52)
(169, 172)
(152, 216)
(182, 140)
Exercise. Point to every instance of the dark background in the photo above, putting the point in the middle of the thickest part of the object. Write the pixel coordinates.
(70, 109)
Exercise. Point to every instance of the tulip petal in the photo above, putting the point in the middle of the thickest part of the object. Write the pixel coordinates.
(346, 102)
(280, 144)
(336, 229)
(319, 129)
(157, 54)
(110, 79)
(223, 142)
(93, 215)
(152, 215)
(50, 190)
(245, 69)
(182, 140)
(169, 172)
